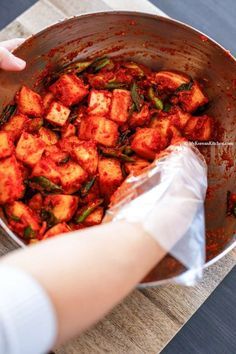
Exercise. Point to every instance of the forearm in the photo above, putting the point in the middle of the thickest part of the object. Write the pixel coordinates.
(86, 274)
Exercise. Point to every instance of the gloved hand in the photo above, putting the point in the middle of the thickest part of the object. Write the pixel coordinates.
(8, 61)
(167, 200)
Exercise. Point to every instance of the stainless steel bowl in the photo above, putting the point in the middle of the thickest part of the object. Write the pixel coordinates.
(161, 44)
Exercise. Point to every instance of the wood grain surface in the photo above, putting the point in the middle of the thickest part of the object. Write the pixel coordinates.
(147, 319)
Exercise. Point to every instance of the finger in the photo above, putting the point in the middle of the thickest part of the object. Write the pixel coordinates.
(12, 44)
(10, 62)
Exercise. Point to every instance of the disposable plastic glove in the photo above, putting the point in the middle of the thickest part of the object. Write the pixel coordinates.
(167, 200)
(8, 61)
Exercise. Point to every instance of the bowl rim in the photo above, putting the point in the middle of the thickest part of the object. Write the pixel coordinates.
(181, 24)
(126, 13)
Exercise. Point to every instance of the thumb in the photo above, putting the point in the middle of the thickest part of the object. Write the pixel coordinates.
(12, 44)
(10, 62)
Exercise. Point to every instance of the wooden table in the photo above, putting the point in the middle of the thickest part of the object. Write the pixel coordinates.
(147, 319)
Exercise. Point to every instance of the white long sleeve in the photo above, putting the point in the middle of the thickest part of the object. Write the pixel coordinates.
(27, 317)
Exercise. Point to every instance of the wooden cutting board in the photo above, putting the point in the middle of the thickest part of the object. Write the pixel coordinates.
(147, 319)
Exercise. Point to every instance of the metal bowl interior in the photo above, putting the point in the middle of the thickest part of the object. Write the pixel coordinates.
(159, 43)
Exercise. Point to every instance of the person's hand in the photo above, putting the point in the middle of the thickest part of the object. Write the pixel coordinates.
(8, 61)
(168, 202)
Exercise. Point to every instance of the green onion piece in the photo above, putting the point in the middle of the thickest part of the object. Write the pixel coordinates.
(124, 173)
(114, 85)
(158, 103)
(7, 112)
(184, 87)
(167, 107)
(201, 110)
(124, 137)
(137, 99)
(29, 233)
(55, 129)
(99, 64)
(109, 152)
(46, 184)
(126, 158)
(86, 187)
(73, 117)
(15, 218)
(49, 79)
(88, 210)
(64, 160)
(155, 100)
(49, 217)
(82, 65)
(133, 66)
(35, 124)
(127, 150)
(151, 93)
(76, 67)
(131, 110)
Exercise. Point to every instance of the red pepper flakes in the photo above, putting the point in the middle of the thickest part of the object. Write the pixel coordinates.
(203, 38)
